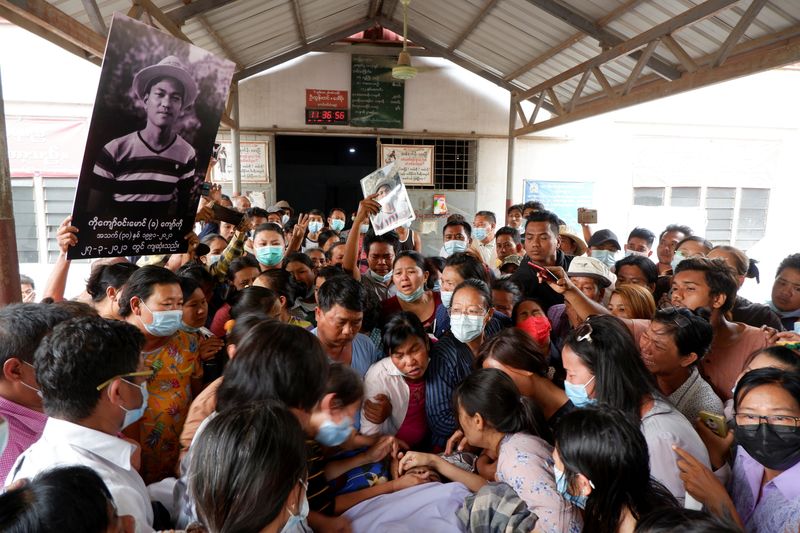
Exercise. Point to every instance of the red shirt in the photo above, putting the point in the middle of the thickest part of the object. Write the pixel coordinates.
(391, 306)
(414, 428)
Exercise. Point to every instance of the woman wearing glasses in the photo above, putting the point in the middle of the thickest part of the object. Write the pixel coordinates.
(764, 484)
(603, 366)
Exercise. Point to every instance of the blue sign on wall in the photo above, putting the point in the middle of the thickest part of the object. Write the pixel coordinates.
(561, 197)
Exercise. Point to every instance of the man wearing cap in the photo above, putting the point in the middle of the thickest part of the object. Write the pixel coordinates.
(604, 246)
(275, 215)
(152, 168)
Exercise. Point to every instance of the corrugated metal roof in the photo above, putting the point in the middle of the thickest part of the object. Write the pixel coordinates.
(508, 36)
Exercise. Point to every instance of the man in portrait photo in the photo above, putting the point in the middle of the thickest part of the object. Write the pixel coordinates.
(153, 169)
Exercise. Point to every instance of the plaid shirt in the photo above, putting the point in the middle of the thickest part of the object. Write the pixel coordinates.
(25, 426)
(234, 249)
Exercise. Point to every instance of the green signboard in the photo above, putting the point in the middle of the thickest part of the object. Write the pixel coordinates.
(375, 101)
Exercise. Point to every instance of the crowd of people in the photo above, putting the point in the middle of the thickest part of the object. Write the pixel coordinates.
(296, 372)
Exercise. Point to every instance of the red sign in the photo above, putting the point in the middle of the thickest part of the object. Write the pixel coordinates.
(326, 99)
(52, 147)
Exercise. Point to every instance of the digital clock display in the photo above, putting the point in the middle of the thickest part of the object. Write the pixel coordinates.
(337, 117)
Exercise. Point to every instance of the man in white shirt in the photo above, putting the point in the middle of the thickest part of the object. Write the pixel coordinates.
(483, 236)
(91, 376)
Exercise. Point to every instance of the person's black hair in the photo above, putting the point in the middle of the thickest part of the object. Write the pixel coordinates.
(275, 361)
(437, 262)
(282, 283)
(690, 330)
(741, 264)
(785, 356)
(371, 316)
(719, 277)
(240, 263)
(433, 266)
(648, 268)
(24, 325)
(458, 222)
(621, 379)
(679, 520)
(26, 280)
(298, 257)
(317, 212)
(105, 276)
(389, 238)
(487, 215)
(708, 245)
(515, 349)
(517, 305)
(492, 394)
(605, 445)
(342, 211)
(467, 266)
(326, 234)
(544, 216)
(533, 204)
(331, 271)
(788, 381)
(415, 256)
(790, 261)
(67, 499)
(188, 286)
(72, 308)
(478, 285)
(211, 237)
(506, 285)
(643, 233)
(79, 355)
(269, 226)
(402, 326)
(511, 232)
(259, 212)
(199, 273)
(515, 207)
(225, 196)
(245, 467)
(345, 384)
(253, 299)
(343, 291)
(142, 283)
(686, 230)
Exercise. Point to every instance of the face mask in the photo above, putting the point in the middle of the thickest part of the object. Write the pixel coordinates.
(133, 415)
(561, 486)
(284, 219)
(466, 328)
(378, 278)
(479, 233)
(447, 297)
(34, 389)
(165, 323)
(337, 224)
(606, 257)
(314, 226)
(211, 259)
(187, 328)
(538, 327)
(453, 247)
(677, 258)
(332, 434)
(364, 228)
(437, 286)
(295, 520)
(775, 447)
(269, 255)
(629, 253)
(414, 296)
(578, 395)
(407, 225)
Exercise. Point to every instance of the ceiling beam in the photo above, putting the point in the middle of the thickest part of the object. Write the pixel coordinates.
(391, 6)
(95, 17)
(776, 54)
(606, 38)
(52, 21)
(738, 31)
(313, 46)
(163, 20)
(298, 21)
(181, 14)
(372, 9)
(487, 7)
(218, 39)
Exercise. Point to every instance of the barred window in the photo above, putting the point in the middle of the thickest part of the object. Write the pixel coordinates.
(454, 161)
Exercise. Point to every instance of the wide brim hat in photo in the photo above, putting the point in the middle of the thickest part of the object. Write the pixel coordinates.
(283, 204)
(565, 231)
(171, 67)
(589, 267)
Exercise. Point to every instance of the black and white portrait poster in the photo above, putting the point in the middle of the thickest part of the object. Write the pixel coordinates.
(392, 195)
(155, 117)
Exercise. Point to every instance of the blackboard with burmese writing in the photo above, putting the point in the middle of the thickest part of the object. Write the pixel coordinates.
(374, 101)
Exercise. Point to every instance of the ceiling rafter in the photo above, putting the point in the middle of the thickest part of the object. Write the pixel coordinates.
(485, 10)
(181, 14)
(95, 17)
(298, 21)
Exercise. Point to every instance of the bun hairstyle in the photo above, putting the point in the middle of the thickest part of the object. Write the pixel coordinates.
(114, 275)
(492, 393)
(742, 265)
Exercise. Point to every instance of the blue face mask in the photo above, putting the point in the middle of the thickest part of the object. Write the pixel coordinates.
(577, 394)
(133, 415)
(437, 286)
(479, 233)
(378, 278)
(607, 257)
(332, 434)
(294, 524)
(269, 255)
(314, 226)
(211, 259)
(447, 297)
(414, 296)
(676, 258)
(364, 228)
(561, 486)
(165, 323)
(337, 224)
(453, 247)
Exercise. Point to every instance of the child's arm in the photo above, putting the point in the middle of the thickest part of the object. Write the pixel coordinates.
(377, 452)
(412, 459)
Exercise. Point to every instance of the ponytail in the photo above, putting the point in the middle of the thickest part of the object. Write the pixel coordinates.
(752, 270)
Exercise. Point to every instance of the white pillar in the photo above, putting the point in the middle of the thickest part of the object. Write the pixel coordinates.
(236, 182)
(512, 122)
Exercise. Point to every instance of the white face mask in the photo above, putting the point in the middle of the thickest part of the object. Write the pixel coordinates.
(466, 328)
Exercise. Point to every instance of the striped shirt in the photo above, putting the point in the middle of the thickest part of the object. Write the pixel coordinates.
(450, 362)
(135, 172)
(320, 495)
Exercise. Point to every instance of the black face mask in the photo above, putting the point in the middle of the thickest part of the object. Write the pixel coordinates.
(775, 447)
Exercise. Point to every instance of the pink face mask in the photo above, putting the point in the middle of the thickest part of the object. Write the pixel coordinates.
(538, 327)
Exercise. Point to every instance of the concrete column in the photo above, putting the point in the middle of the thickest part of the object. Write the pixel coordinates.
(512, 122)
(9, 265)
(236, 182)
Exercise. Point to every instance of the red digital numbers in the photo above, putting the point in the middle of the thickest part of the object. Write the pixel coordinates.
(327, 116)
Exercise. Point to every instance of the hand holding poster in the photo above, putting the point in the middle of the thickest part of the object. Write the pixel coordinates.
(156, 114)
(392, 195)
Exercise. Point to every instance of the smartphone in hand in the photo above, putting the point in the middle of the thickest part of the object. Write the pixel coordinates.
(714, 422)
(543, 271)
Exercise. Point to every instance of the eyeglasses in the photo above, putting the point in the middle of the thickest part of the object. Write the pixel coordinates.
(675, 316)
(584, 332)
(107, 382)
(474, 310)
(744, 419)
